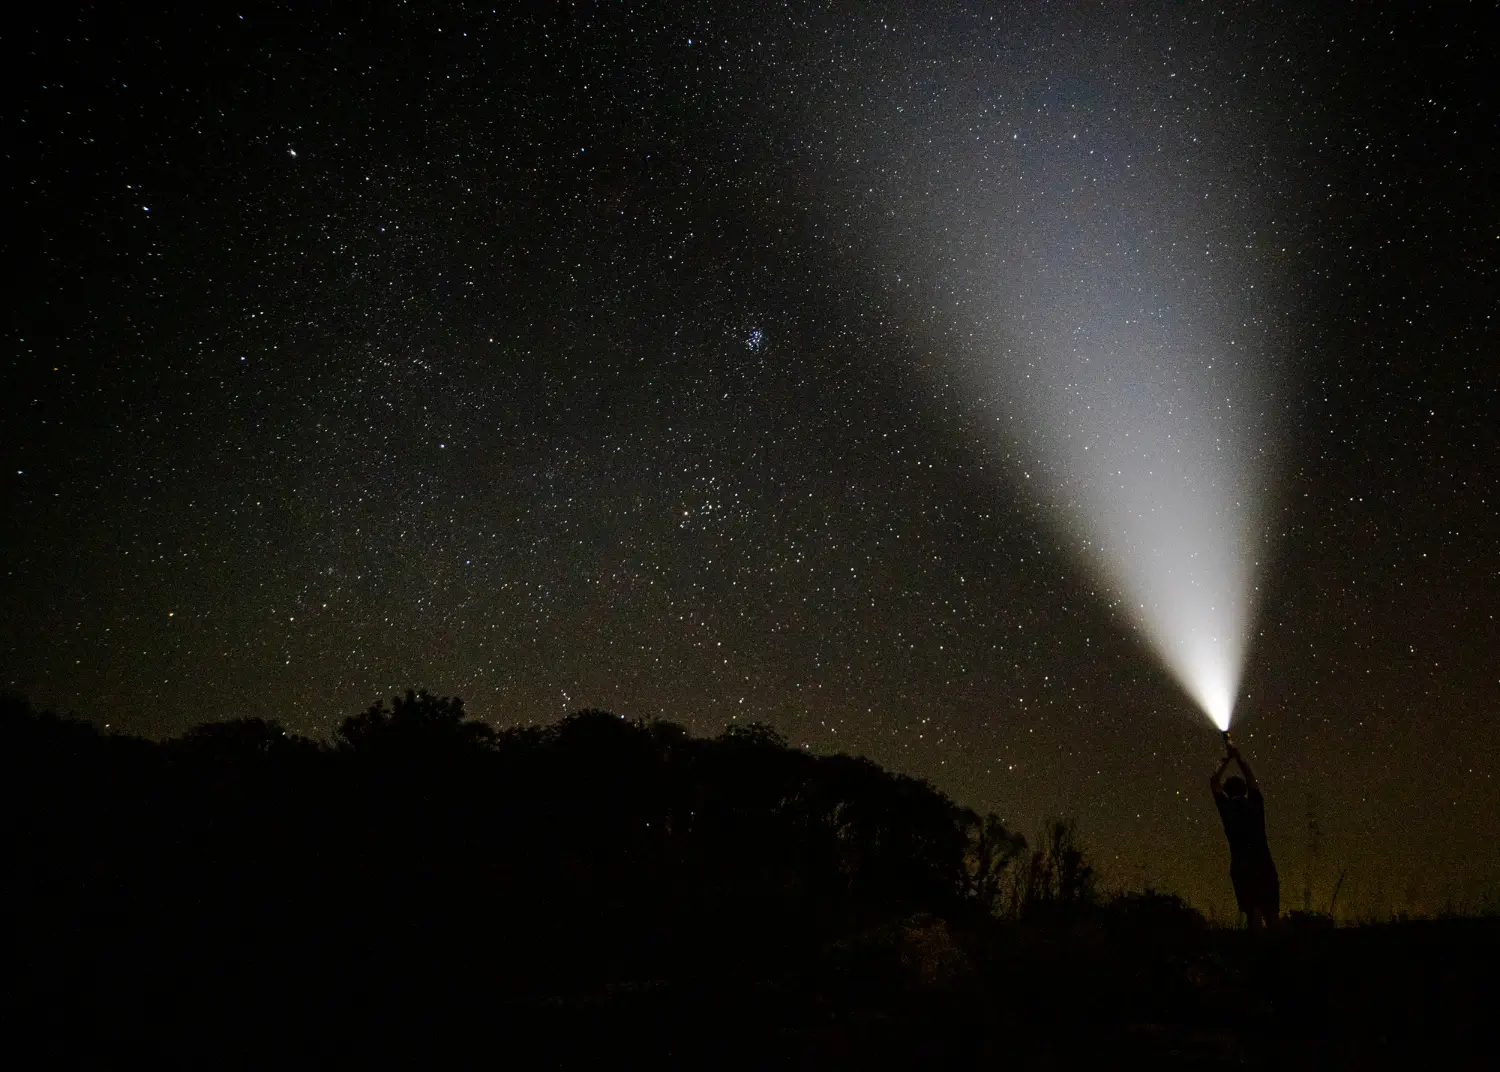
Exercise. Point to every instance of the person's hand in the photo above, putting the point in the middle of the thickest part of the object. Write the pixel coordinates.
(1233, 752)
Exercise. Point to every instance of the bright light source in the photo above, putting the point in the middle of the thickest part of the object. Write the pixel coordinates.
(1211, 676)
(1173, 541)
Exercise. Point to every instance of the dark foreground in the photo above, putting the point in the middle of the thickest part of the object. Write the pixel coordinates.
(425, 891)
(1407, 995)
(914, 994)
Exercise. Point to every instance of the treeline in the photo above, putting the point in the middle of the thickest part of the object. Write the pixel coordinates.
(597, 813)
(420, 844)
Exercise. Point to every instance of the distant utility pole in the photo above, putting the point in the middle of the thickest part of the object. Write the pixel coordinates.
(1334, 900)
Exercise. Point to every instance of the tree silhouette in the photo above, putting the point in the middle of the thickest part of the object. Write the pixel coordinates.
(990, 850)
(242, 740)
(418, 722)
(1056, 879)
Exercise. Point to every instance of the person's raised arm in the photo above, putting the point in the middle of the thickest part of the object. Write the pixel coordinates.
(1216, 780)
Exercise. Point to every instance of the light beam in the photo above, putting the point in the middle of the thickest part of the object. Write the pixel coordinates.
(1090, 234)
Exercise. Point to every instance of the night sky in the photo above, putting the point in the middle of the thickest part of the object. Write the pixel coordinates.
(613, 356)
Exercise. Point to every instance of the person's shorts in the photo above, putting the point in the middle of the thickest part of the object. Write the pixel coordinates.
(1257, 886)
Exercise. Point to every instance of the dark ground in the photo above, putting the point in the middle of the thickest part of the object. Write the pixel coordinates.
(1415, 994)
(1400, 995)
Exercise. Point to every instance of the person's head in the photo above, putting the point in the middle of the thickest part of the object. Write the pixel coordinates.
(1235, 786)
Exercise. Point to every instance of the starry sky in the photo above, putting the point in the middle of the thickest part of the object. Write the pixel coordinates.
(636, 357)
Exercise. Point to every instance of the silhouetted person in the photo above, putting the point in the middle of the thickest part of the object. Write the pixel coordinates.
(1256, 885)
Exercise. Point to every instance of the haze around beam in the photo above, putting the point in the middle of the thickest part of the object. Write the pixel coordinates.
(1090, 237)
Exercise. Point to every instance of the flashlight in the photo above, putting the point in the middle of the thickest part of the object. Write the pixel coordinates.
(1227, 742)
